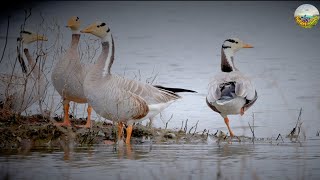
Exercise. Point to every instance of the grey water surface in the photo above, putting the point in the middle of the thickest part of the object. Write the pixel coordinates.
(173, 161)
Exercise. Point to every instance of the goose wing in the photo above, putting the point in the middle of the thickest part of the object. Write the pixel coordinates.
(226, 86)
(151, 94)
(118, 104)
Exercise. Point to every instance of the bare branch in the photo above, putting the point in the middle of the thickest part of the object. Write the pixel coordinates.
(280, 137)
(6, 41)
(166, 125)
(186, 126)
(252, 128)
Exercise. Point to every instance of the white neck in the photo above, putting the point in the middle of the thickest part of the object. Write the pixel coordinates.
(229, 53)
(31, 63)
(75, 31)
(21, 46)
(108, 39)
(25, 45)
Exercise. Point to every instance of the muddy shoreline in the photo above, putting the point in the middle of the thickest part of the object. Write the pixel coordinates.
(26, 132)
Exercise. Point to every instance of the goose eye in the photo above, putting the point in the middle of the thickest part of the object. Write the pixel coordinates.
(77, 19)
(98, 26)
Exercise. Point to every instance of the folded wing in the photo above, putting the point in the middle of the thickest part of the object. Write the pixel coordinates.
(226, 86)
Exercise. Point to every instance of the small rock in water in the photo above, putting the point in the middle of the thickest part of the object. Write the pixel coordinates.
(108, 142)
(170, 135)
(144, 139)
(19, 139)
(222, 134)
(210, 140)
(120, 143)
(100, 133)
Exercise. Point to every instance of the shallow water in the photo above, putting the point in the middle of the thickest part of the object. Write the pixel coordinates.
(268, 160)
(179, 43)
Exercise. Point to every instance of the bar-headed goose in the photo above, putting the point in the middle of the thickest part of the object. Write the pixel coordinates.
(18, 92)
(230, 91)
(68, 75)
(117, 98)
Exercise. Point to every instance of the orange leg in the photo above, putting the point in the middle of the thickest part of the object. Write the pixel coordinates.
(88, 124)
(120, 130)
(226, 120)
(129, 151)
(241, 111)
(129, 132)
(66, 120)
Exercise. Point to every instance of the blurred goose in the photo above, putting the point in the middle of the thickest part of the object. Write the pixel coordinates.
(68, 75)
(230, 91)
(18, 92)
(117, 98)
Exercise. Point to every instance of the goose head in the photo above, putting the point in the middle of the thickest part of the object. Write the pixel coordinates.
(28, 37)
(99, 29)
(74, 23)
(229, 47)
(235, 44)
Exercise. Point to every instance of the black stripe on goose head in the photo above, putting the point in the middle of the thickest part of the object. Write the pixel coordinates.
(25, 32)
(231, 40)
(101, 25)
(225, 47)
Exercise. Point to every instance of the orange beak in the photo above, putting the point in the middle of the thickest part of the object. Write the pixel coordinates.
(70, 24)
(247, 46)
(41, 38)
(89, 29)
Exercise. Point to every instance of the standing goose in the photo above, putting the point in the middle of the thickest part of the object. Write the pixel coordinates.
(20, 92)
(230, 91)
(117, 98)
(68, 75)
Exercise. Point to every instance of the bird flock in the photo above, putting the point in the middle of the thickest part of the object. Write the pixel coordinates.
(122, 100)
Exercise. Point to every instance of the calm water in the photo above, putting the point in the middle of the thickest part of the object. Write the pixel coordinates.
(275, 160)
(179, 43)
